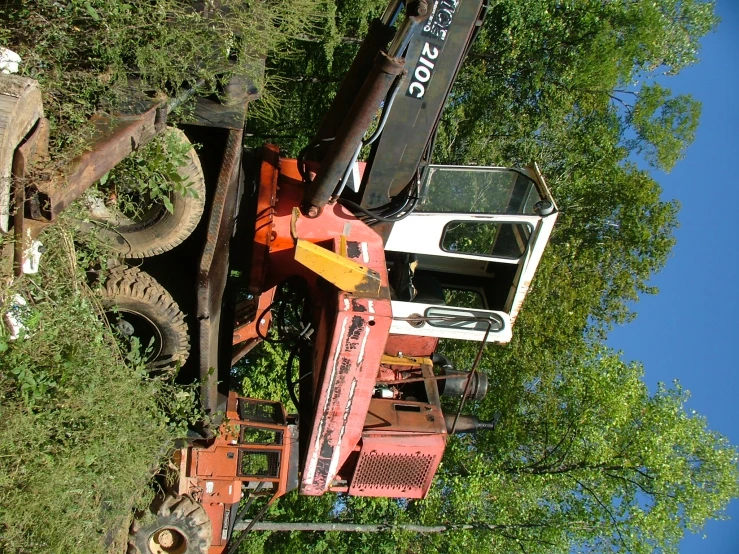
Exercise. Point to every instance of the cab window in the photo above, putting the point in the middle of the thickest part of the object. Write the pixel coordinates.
(477, 190)
(486, 238)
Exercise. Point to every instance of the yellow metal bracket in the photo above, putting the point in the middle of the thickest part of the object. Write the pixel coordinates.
(409, 361)
(339, 270)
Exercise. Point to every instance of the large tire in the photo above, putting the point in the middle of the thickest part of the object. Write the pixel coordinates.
(139, 306)
(159, 230)
(181, 526)
(20, 109)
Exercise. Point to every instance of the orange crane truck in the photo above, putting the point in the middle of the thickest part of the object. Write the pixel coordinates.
(390, 255)
(387, 257)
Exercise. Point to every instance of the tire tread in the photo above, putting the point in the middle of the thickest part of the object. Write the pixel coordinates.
(132, 284)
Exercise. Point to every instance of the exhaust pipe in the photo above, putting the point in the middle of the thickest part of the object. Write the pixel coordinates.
(468, 424)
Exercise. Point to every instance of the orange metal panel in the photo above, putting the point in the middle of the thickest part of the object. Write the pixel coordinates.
(267, 197)
(248, 331)
(389, 415)
(346, 387)
(411, 345)
(218, 462)
(398, 465)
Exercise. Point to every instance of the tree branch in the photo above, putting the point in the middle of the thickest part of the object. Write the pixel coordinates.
(641, 487)
(608, 511)
(556, 447)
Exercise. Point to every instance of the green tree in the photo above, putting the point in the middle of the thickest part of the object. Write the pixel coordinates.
(585, 457)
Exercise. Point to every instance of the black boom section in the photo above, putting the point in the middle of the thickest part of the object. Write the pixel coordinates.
(433, 59)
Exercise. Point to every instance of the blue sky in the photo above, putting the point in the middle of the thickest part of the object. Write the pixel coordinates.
(689, 330)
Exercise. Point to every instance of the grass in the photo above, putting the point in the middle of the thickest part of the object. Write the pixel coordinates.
(88, 54)
(84, 427)
(83, 424)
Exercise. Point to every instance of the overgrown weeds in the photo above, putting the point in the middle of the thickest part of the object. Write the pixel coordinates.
(84, 426)
(148, 177)
(88, 54)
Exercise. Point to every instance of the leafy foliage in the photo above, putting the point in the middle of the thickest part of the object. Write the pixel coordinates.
(584, 456)
(88, 54)
(149, 176)
(313, 68)
(84, 425)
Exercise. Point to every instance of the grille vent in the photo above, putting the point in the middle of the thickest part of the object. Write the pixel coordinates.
(255, 463)
(262, 412)
(392, 472)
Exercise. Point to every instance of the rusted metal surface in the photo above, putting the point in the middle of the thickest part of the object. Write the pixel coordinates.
(432, 389)
(263, 227)
(248, 332)
(230, 112)
(32, 151)
(377, 38)
(342, 149)
(213, 269)
(115, 138)
(252, 315)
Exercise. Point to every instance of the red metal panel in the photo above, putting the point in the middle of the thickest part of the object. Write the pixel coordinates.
(346, 387)
(355, 334)
(398, 465)
(409, 345)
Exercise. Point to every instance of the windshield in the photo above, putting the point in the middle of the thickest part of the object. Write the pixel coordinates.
(477, 190)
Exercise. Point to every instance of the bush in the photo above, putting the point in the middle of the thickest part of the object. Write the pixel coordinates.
(84, 427)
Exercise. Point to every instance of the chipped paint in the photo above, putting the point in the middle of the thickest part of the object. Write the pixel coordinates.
(313, 463)
(362, 347)
(335, 458)
(347, 386)
(523, 290)
(353, 250)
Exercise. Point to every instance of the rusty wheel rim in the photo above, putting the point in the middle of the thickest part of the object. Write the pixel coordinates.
(167, 540)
